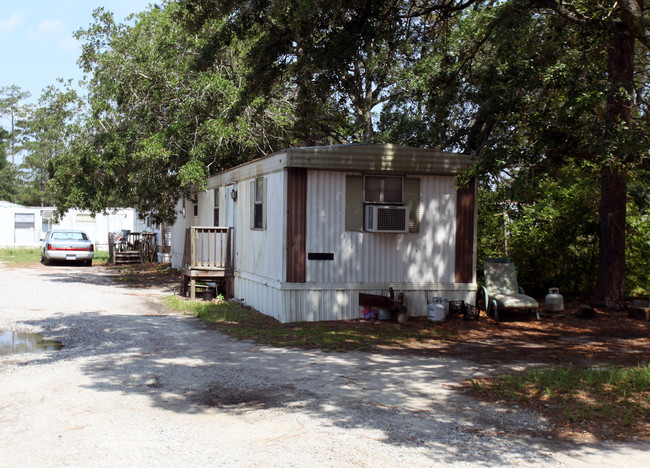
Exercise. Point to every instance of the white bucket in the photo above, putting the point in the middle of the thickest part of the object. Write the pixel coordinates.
(384, 314)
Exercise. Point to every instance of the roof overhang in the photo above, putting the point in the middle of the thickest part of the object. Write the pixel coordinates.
(350, 158)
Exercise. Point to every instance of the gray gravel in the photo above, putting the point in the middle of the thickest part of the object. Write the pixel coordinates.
(140, 385)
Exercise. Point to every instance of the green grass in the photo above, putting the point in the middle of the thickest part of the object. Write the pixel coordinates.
(20, 255)
(26, 255)
(100, 257)
(249, 324)
(595, 394)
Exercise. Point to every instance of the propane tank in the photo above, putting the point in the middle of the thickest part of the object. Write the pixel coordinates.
(437, 309)
(554, 300)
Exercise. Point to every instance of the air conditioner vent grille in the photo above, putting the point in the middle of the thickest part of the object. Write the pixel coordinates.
(387, 218)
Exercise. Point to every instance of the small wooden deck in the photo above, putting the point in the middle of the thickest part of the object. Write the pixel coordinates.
(207, 257)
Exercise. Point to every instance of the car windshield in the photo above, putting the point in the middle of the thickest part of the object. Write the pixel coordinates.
(69, 236)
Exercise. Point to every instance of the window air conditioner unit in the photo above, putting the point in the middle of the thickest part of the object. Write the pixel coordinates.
(386, 218)
(48, 215)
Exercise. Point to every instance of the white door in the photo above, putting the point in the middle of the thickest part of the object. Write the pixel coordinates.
(231, 219)
(24, 229)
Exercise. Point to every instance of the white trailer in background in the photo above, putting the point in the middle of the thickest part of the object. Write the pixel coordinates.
(25, 226)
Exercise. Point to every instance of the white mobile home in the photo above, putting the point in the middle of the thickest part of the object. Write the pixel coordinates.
(24, 226)
(313, 227)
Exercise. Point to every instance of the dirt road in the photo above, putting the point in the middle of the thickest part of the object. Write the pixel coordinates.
(140, 385)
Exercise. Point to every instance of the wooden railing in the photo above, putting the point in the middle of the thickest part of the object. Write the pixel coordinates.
(137, 247)
(208, 247)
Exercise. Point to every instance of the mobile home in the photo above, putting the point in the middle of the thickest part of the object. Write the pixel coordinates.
(311, 228)
(25, 226)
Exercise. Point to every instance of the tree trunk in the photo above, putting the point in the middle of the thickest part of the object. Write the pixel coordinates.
(610, 279)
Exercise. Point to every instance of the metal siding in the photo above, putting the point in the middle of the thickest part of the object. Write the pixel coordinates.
(424, 257)
(335, 304)
(260, 252)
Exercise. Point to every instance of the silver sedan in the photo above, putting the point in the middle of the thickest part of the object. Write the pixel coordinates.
(68, 246)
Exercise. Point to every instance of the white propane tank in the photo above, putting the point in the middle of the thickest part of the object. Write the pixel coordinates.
(554, 300)
(438, 309)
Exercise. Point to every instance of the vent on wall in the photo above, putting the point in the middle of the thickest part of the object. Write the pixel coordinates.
(386, 218)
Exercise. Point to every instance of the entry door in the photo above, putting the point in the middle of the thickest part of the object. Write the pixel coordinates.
(230, 203)
(24, 233)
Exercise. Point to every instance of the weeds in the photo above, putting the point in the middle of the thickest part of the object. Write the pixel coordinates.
(25, 255)
(594, 395)
(20, 255)
(245, 323)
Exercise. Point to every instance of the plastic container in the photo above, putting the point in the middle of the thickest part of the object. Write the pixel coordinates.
(402, 317)
(554, 300)
(384, 314)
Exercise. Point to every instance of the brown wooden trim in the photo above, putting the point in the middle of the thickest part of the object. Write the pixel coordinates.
(465, 209)
(296, 225)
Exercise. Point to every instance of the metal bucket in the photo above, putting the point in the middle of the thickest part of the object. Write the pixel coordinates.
(208, 294)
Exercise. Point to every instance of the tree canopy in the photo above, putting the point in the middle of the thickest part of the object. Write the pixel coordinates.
(551, 97)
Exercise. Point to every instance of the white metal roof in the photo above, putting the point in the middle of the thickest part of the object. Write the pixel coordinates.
(360, 157)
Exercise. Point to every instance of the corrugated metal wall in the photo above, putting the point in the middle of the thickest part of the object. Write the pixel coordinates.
(363, 257)
(261, 252)
(413, 263)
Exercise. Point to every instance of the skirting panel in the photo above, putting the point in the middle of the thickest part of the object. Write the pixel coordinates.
(299, 305)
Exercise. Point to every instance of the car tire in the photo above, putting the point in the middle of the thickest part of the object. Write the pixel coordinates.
(88, 262)
(44, 260)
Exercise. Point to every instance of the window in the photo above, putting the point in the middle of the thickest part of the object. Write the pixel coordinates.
(69, 236)
(362, 193)
(85, 218)
(378, 189)
(258, 203)
(195, 209)
(24, 220)
(216, 207)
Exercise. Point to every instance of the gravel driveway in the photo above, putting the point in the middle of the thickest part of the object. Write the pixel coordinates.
(139, 385)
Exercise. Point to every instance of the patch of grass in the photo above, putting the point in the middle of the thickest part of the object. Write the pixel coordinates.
(598, 395)
(100, 256)
(248, 324)
(20, 255)
(25, 255)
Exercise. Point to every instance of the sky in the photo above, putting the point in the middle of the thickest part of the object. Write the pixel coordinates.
(36, 43)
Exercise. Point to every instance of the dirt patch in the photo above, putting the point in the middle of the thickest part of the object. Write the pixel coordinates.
(610, 337)
(147, 275)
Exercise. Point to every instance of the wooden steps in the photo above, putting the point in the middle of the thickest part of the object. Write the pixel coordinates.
(127, 257)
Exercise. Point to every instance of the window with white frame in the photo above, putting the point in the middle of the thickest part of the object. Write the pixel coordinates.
(258, 203)
(216, 207)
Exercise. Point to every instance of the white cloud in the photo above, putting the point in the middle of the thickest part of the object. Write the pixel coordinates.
(51, 30)
(69, 44)
(52, 27)
(13, 22)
